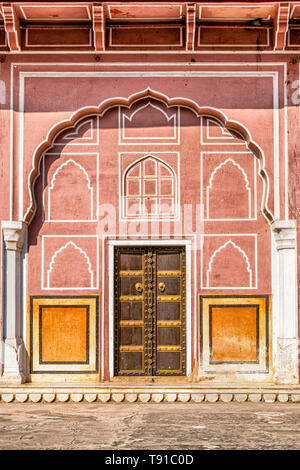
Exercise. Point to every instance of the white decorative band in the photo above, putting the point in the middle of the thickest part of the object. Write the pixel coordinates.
(154, 397)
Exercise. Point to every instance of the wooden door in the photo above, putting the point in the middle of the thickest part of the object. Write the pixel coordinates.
(149, 311)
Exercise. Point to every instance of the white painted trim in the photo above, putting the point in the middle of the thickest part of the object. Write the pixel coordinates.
(69, 240)
(122, 129)
(93, 218)
(231, 45)
(248, 188)
(89, 44)
(217, 251)
(60, 250)
(51, 186)
(223, 140)
(50, 6)
(74, 135)
(253, 212)
(152, 6)
(230, 236)
(149, 242)
(190, 73)
(141, 156)
(122, 45)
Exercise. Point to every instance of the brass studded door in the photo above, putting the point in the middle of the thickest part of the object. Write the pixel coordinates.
(149, 311)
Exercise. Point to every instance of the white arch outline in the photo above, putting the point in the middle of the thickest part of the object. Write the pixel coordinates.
(124, 192)
(51, 186)
(247, 185)
(74, 135)
(31, 209)
(226, 133)
(221, 248)
(60, 250)
(149, 104)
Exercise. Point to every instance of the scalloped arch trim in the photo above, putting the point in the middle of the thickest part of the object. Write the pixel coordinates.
(127, 103)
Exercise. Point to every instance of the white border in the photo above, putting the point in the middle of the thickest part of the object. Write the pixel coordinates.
(174, 140)
(132, 5)
(254, 45)
(140, 156)
(89, 44)
(110, 44)
(253, 198)
(274, 75)
(95, 213)
(229, 236)
(38, 6)
(150, 242)
(69, 239)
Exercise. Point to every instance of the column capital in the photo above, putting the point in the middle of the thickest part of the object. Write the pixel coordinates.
(285, 234)
(14, 234)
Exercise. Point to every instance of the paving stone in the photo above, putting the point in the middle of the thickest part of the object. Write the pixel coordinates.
(163, 425)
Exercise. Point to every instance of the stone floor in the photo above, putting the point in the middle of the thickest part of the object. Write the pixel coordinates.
(136, 426)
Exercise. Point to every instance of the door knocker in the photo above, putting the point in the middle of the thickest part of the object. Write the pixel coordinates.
(161, 286)
(139, 287)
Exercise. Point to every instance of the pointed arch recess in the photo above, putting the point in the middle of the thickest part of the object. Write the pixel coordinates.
(127, 103)
(58, 171)
(76, 248)
(215, 172)
(158, 161)
(218, 251)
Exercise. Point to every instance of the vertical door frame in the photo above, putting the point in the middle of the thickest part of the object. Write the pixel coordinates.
(150, 242)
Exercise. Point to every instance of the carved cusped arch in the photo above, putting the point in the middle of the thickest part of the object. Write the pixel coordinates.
(147, 93)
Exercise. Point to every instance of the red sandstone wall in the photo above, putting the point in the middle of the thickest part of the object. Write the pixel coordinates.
(86, 164)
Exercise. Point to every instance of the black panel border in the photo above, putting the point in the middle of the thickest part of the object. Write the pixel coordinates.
(43, 372)
(211, 306)
(235, 296)
(87, 309)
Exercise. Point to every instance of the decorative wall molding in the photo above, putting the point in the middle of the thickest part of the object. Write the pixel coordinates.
(12, 27)
(115, 394)
(169, 102)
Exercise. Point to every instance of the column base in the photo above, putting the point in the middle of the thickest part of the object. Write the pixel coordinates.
(287, 371)
(12, 362)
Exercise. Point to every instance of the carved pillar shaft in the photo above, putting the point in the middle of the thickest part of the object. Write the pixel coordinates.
(13, 236)
(286, 357)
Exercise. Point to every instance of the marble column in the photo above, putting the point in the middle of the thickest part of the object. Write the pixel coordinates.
(14, 233)
(286, 350)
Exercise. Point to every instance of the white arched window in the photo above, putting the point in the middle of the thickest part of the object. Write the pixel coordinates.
(149, 190)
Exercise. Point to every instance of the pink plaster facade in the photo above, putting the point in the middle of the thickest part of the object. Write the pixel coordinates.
(186, 139)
